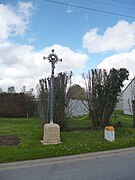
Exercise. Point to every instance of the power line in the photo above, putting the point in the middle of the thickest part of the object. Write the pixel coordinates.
(108, 4)
(123, 2)
(90, 9)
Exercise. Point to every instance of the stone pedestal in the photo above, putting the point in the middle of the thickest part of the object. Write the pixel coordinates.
(51, 134)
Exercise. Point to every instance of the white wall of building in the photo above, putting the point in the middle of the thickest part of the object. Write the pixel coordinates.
(127, 97)
(119, 105)
(76, 108)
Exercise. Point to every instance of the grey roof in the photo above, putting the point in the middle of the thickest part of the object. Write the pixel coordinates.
(128, 84)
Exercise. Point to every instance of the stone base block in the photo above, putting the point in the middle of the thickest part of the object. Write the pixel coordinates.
(51, 134)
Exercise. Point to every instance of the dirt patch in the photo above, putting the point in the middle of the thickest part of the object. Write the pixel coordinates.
(8, 140)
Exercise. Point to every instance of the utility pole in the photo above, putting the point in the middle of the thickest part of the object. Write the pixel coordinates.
(53, 59)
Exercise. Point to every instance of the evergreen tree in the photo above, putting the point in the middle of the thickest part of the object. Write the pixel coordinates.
(76, 92)
(102, 91)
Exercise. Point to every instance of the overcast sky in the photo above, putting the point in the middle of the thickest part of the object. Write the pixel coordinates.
(85, 34)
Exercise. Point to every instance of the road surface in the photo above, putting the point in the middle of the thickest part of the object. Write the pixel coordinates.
(113, 165)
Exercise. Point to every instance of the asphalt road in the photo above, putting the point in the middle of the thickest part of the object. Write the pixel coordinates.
(113, 165)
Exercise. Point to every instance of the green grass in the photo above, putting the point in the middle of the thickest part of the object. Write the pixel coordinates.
(125, 120)
(84, 122)
(29, 132)
(78, 122)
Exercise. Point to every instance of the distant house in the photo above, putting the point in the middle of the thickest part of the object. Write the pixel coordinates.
(119, 105)
(128, 95)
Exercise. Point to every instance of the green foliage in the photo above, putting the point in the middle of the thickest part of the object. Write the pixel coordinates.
(102, 91)
(78, 123)
(119, 119)
(76, 92)
(112, 88)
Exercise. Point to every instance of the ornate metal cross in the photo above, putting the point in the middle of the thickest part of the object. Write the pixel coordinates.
(53, 59)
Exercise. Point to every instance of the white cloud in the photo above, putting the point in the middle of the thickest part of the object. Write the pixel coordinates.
(24, 66)
(121, 60)
(24, 9)
(21, 64)
(119, 38)
(78, 79)
(14, 22)
(71, 60)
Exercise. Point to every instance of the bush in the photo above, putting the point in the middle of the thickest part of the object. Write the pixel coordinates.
(16, 105)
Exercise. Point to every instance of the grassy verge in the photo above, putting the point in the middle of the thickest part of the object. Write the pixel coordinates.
(80, 122)
(75, 142)
(121, 119)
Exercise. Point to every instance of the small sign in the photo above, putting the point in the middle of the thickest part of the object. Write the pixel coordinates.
(109, 133)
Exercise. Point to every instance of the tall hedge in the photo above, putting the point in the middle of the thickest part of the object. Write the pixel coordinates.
(16, 105)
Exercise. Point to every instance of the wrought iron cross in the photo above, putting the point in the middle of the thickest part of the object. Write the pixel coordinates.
(53, 59)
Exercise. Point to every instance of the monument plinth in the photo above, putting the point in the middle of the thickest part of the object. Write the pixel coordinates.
(51, 134)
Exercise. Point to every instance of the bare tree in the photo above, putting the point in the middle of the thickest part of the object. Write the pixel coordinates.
(11, 89)
(44, 91)
(60, 99)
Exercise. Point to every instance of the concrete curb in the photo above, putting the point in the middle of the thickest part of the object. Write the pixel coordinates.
(64, 159)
